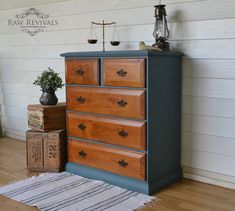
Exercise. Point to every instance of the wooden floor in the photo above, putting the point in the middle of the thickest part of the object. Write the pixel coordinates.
(186, 195)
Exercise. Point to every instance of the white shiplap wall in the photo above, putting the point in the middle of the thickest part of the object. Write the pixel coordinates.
(203, 29)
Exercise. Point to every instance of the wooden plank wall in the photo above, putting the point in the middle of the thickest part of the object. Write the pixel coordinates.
(202, 29)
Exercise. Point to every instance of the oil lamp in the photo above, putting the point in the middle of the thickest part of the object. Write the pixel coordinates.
(161, 32)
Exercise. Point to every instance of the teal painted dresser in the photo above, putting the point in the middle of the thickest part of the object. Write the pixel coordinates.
(124, 117)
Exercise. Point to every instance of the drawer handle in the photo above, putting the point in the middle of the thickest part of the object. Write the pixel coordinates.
(81, 100)
(122, 73)
(82, 154)
(123, 133)
(82, 126)
(122, 103)
(122, 163)
(80, 72)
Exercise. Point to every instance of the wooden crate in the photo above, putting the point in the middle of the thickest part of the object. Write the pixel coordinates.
(47, 118)
(46, 151)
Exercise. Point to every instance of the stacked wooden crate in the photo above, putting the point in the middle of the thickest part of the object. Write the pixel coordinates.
(46, 141)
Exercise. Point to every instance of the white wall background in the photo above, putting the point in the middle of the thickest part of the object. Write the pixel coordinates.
(203, 29)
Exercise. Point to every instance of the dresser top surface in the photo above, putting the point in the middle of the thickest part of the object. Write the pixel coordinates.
(126, 53)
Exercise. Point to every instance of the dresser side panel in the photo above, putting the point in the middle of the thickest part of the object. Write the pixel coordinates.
(164, 116)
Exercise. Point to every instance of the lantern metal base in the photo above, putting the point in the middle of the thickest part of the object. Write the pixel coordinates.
(163, 45)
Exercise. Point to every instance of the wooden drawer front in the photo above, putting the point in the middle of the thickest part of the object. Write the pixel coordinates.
(116, 102)
(119, 161)
(124, 72)
(82, 71)
(113, 131)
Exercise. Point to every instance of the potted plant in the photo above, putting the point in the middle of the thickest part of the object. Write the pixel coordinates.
(49, 81)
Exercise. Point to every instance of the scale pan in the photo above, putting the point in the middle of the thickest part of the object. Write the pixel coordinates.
(92, 41)
(115, 43)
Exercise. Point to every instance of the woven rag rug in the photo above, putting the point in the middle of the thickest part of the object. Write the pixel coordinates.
(69, 192)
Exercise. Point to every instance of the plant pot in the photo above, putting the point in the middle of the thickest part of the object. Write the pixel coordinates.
(48, 98)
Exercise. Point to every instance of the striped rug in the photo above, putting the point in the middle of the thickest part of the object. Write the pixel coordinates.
(69, 192)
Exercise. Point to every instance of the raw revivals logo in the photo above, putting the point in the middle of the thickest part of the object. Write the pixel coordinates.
(32, 21)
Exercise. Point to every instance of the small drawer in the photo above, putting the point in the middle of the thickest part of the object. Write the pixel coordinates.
(82, 71)
(124, 72)
(126, 133)
(119, 161)
(110, 101)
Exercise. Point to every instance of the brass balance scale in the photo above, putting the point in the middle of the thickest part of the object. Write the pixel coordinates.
(92, 39)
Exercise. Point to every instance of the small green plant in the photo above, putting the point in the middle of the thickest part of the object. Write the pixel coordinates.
(49, 81)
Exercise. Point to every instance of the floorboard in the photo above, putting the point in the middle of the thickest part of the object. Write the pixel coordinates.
(186, 195)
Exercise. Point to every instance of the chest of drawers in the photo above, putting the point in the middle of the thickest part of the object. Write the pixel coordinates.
(123, 117)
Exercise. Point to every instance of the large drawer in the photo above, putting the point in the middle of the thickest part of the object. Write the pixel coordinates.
(110, 101)
(82, 71)
(118, 161)
(109, 130)
(124, 72)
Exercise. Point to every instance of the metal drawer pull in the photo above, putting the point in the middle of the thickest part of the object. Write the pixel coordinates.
(80, 72)
(122, 73)
(122, 103)
(81, 100)
(82, 154)
(122, 163)
(123, 133)
(82, 126)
